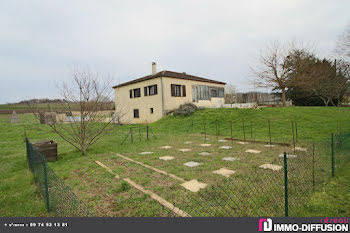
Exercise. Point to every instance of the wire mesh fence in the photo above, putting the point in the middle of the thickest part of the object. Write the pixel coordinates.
(257, 192)
(281, 191)
(60, 200)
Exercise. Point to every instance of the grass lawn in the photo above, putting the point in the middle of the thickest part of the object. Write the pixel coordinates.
(107, 196)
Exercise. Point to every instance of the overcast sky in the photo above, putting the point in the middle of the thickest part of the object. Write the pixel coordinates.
(40, 41)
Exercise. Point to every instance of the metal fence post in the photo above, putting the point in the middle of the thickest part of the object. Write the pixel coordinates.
(131, 135)
(293, 135)
(217, 139)
(243, 130)
(205, 132)
(46, 185)
(313, 167)
(231, 133)
(285, 185)
(251, 130)
(332, 146)
(296, 131)
(147, 133)
(140, 133)
(270, 132)
(25, 133)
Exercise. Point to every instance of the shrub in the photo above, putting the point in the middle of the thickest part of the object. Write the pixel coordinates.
(185, 109)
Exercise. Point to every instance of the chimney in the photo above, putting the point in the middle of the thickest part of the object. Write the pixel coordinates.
(154, 68)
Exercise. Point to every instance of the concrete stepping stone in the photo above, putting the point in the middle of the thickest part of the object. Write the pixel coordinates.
(269, 145)
(222, 140)
(243, 143)
(289, 156)
(224, 172)
(225, 147)
(253, 151)
(166, 157)
(230, 159)
(300, 148)
(192, 164)
(204, 153)
(165, 147)
(193, 185)
(185, 150)
(188, 142)
(271, 166)
(146, 153)
(205, 145)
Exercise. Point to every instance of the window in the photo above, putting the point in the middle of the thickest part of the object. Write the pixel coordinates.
(221, 92)
(203, 92)
(136, 113)
(151, 109)
(213, 93)
(176, 90)
(137, 92)
(151, 90)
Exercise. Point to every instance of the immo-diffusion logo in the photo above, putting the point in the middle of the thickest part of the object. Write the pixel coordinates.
(337, 225)
(265, 224)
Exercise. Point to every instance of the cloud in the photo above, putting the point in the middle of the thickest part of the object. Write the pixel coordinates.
(40, 40)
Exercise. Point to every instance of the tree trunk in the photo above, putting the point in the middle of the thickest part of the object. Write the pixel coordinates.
(283, 97)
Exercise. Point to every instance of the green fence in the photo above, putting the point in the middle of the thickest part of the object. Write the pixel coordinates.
(60, 200)
(264, 192)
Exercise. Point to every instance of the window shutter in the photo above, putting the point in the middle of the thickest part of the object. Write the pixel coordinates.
(172, 90)
(183, 90)
(130, 94)
(145, 90)
(155, 90)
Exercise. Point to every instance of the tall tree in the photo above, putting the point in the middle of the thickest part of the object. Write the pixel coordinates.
(325, 79)
(271, 69)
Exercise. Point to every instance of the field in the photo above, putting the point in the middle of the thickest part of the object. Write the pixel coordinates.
(107, 196)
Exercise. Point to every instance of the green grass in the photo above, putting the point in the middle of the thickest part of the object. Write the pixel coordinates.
(333, 199)
(106, 196)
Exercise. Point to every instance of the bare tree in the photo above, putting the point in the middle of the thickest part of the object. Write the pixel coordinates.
(84, 98)
(271, 69)
(230, 94)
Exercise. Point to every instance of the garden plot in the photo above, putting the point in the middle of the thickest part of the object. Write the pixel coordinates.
(236, 157)
(165, 173)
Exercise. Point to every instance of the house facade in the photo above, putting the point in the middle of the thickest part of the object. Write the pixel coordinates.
(149, 98)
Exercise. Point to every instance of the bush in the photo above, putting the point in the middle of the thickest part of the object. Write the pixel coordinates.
(185, 109)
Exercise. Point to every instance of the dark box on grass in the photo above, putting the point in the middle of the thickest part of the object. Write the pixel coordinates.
(48, 149)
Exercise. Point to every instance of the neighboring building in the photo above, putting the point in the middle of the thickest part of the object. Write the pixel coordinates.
(149, 98)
